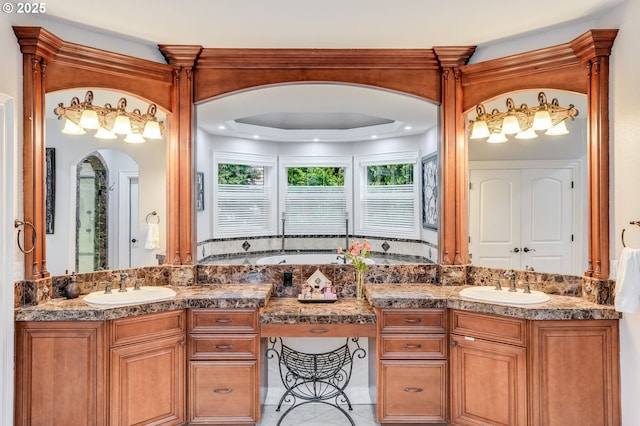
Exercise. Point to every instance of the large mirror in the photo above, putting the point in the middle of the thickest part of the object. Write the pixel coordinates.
(106, 198)
(528, 197)
(307, 167)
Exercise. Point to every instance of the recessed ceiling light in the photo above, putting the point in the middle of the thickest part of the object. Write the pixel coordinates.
(256, 136)
(408, 127)
(221, 127)
(374, 136)
(316, 139)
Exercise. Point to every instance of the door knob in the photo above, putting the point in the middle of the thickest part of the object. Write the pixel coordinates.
(527, 249)
(515, 250)
(134, 240)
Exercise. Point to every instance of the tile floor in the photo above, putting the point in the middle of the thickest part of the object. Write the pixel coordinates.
(318, 415)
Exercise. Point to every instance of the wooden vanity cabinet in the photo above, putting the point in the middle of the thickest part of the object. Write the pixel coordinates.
(488, 365)
(412, 366)
(147, 371)
(224, 366)
(61, 372)
(575, 373)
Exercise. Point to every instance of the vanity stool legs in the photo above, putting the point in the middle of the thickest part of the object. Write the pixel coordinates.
(315, 378)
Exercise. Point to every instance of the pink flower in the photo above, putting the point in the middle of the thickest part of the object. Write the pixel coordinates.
(339, 250)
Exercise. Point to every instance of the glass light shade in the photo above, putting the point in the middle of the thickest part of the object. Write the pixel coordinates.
(122, 125)
(479, 130)
(542, 120)
(527, 134)
(89, 119)
(71, 128)
(134, 138)
(103, 133)
(152, 130)
(558, 129)
(497, 137)
(510, 125)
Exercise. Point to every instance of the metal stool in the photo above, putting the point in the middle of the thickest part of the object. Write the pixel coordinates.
(310, 378)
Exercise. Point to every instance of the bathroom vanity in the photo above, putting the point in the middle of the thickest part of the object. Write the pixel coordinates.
(199, 358)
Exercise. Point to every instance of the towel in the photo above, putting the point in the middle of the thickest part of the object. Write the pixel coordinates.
(153, 236)
(628, 281)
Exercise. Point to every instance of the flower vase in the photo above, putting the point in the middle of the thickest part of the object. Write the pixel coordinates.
(359, 285)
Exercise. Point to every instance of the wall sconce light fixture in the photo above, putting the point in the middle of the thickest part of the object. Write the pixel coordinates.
(109, 122)
(523, 122)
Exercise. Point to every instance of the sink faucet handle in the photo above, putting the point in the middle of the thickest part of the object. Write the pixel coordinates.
(510, 274)
(138, 282)
(107, 287)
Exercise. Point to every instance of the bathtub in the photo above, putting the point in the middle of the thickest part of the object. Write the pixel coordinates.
(304, 259)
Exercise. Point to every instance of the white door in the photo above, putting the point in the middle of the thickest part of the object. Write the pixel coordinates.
(494, 218)
(520, 218)
(136, 238)
(547, 220)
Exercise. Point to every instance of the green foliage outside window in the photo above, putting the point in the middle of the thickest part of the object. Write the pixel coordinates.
(240, 174)
(315, 176)
(390, 174)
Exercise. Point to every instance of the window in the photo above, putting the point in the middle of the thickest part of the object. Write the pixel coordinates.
(315, 196)
(388, 195)
(244, 199)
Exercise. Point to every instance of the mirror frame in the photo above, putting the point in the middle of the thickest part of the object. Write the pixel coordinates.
(439, 75)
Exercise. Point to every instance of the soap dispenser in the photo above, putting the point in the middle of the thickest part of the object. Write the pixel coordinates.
(72, 290)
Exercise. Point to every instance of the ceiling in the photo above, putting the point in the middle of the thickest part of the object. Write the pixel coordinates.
(315, 111)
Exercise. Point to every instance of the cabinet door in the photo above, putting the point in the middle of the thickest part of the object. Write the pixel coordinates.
(412, 391)
(575, 376)
(488, 382)
(147, 383)
(224, 392)
(60, 373)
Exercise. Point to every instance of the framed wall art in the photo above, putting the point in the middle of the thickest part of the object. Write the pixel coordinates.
(430, 191)
(199, 191)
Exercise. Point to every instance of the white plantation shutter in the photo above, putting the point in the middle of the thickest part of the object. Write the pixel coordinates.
(315, 210)
(243, 210)
(388, 209)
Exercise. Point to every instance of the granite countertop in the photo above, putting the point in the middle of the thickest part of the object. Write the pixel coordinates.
(344, 311)
(209, 296)
(290, 311)
(430, 296)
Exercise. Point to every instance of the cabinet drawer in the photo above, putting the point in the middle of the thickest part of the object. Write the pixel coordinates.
(412, 321)
(430, 346)
(223, 320)
(489, 327)
(224, 346)
(146, 327)
(223, 392)
(412, 391)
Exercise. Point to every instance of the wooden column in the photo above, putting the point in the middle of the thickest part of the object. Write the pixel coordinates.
(181, 235)
(453, 233)
(593, 48)
(38, 47)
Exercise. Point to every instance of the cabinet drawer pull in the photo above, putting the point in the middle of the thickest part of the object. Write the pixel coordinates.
(412, 320)
(318, 330)
(413, 390)
(227, 390)
(223, 321)
(412, 346)
(223, 346)
(453, 343)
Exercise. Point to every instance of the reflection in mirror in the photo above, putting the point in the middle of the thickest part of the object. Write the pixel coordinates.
(309, 167)
(527, 196)
(104, 190)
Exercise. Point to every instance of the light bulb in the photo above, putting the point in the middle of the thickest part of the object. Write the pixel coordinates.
(134, 138)
(479, 130)
(527, 134)
(152, 130)
(122, 125)
(103, 133)
(497, 137)
(542, 120)
(89, 119)
(71, 128)
(510, 125)
(558, 129)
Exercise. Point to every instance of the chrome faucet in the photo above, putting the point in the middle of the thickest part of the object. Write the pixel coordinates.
(123, 282)
(512, 280)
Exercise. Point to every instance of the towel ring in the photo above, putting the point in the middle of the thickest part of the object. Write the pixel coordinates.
(153, 213)
(633, 222)
(17, 223)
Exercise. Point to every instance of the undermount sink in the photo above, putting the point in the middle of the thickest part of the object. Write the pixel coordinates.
(130, 297)
(490, 294)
